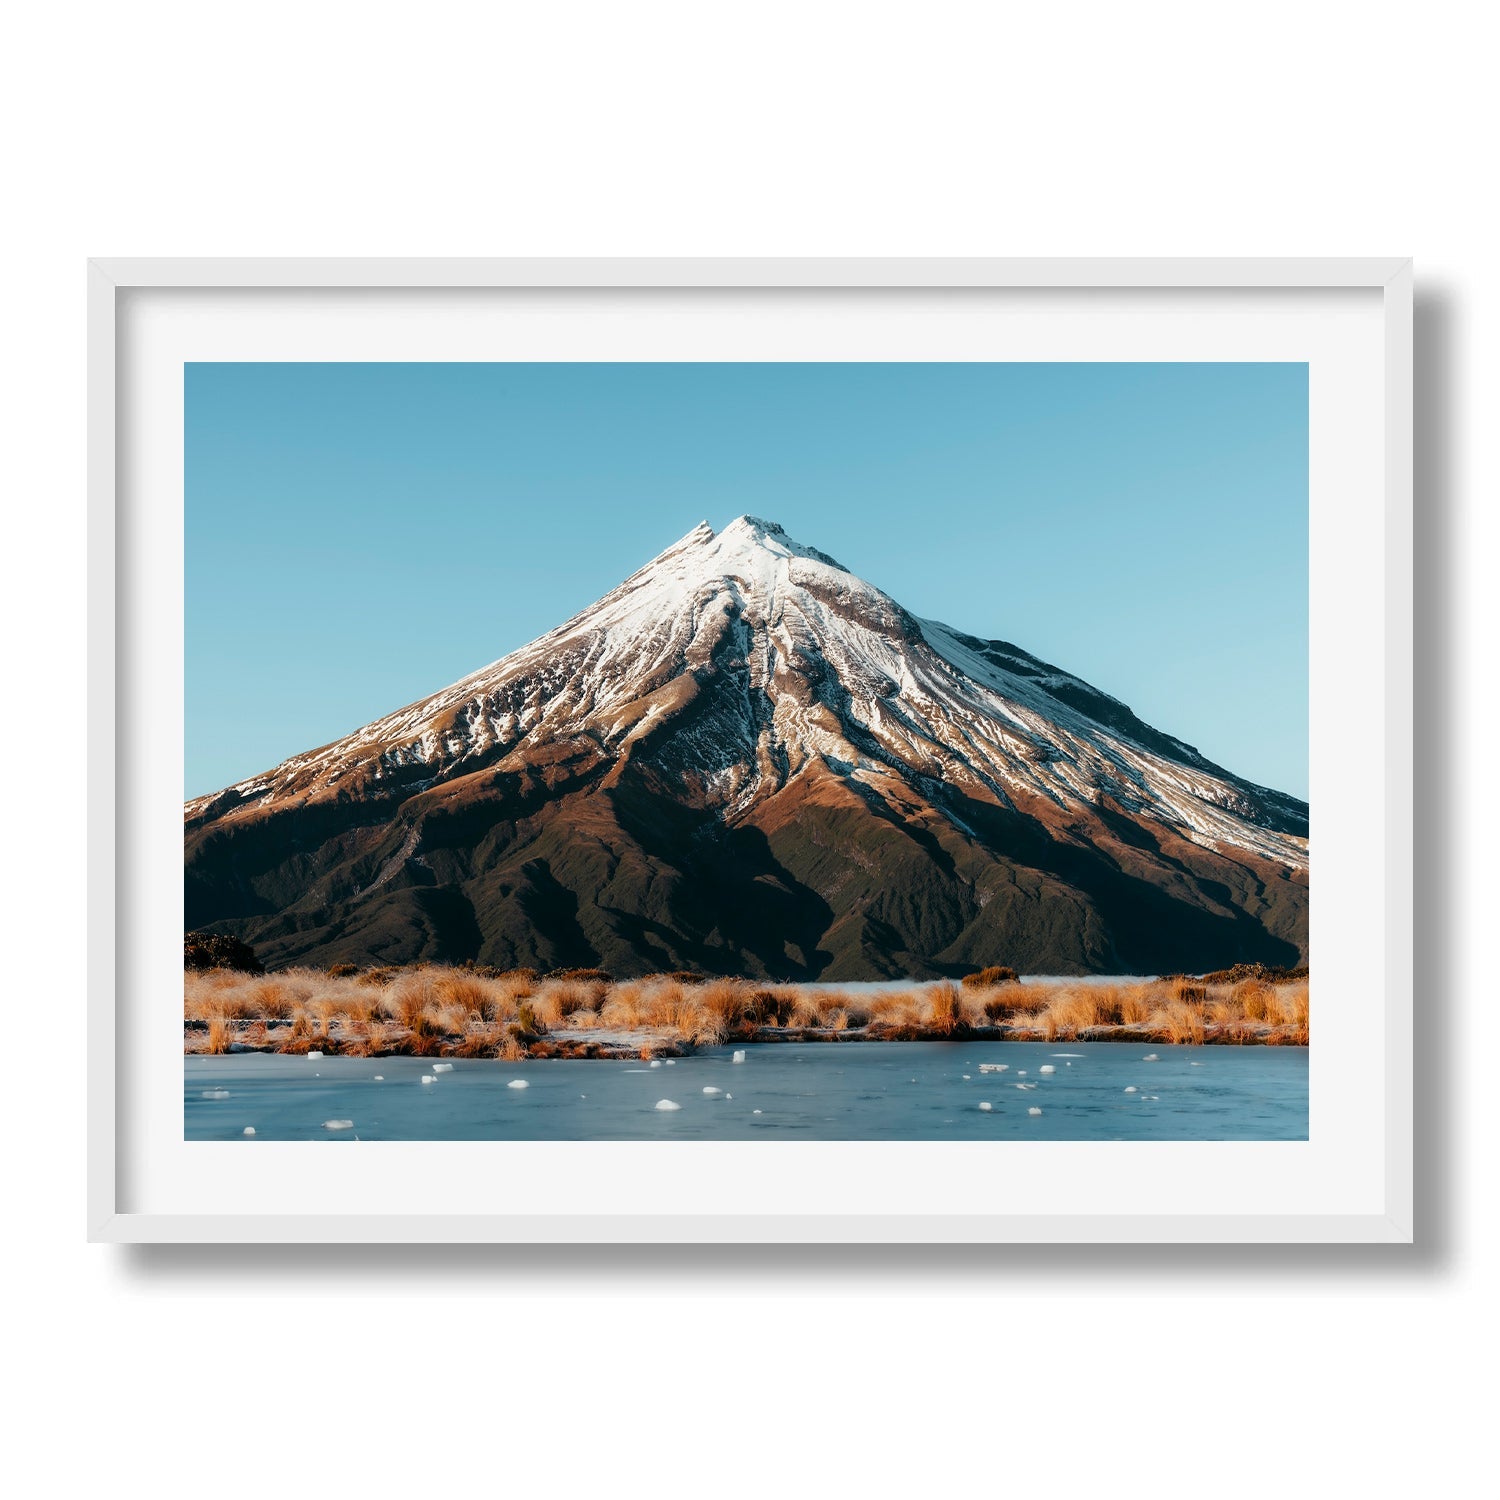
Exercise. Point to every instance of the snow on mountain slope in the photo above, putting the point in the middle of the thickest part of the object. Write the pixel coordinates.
(742, 660)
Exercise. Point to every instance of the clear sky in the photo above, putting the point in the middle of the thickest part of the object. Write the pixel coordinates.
(360, 535)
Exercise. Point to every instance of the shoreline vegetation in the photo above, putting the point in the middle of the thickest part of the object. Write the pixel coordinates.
(433, 1010)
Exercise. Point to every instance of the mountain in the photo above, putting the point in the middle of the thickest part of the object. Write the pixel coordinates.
(745, 759)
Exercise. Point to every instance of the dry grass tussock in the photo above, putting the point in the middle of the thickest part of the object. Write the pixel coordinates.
(427, 1009)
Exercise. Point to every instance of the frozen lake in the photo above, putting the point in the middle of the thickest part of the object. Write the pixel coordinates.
(819, 1091)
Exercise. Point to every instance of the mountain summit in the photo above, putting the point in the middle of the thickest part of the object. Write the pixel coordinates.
(747, 760)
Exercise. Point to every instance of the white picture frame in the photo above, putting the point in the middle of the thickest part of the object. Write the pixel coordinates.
(1351, 1182)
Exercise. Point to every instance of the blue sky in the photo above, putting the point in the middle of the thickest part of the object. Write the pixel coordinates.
(360, 535)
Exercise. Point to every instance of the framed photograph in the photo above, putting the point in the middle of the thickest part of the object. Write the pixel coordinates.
(739, 751)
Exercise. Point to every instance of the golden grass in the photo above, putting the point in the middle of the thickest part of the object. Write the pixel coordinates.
(461, 990)
(1068, 1013)
(1254, 999)
(1178, 1022)
(985, 978)
(1299, 1005)
(895, 1008)
(429, 1009)
(944, 1009)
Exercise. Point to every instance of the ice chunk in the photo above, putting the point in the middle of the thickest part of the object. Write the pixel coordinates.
(754, 1111)
(671, 1062)
(1034, 1110)
(518, 1083)
(986, 1106)
(656, 1065)
(442, 1067)
(1046, 1068)
(313, 1056)
(966, 1077)
(667, 1104)
(215, 1093)
(379, 1078)
(738, 1057)
(1151, 1057)
(248, 1130)
(708, 1088)
(428, 1078)
(338, 1124)
(1130, 1088)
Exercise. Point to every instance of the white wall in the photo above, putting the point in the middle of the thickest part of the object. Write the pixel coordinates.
(778, 128)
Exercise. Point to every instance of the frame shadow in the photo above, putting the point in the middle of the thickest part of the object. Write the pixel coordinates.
(856, 1268)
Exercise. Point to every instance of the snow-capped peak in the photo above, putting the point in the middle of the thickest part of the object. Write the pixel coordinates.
(737, 661)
